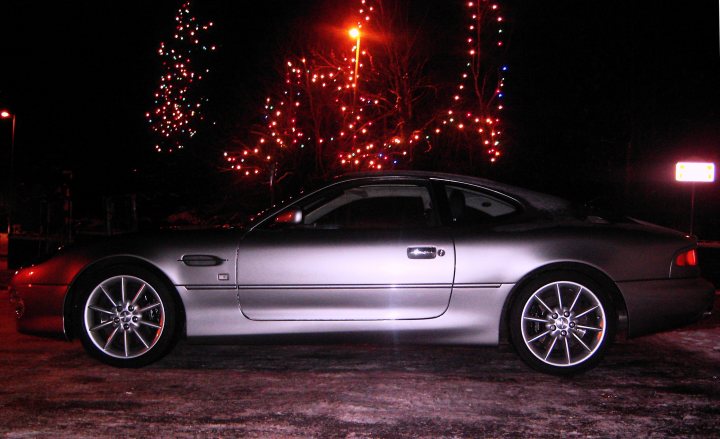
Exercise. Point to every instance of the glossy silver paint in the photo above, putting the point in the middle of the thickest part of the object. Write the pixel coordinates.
(346, 283)
(344, 275)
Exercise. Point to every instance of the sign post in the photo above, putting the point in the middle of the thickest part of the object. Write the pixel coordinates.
(694, 172)
(3, 251)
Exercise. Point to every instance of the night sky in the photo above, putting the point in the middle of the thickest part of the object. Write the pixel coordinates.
(602, 97)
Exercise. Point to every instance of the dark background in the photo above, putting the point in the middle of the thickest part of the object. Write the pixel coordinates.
(602, 99)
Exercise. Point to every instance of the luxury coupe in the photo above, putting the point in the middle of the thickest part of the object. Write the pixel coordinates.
(396, 256)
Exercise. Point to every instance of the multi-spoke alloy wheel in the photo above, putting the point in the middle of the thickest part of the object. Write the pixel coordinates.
(562, 324)
(127, 318)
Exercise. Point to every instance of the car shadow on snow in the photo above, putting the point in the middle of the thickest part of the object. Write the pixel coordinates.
(687, 351)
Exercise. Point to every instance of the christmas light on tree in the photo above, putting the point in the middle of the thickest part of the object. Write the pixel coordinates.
(354, 111)
(178, 103)
(477, 103)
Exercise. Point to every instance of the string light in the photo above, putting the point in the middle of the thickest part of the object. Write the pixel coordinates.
(352, 104)
(177, 106)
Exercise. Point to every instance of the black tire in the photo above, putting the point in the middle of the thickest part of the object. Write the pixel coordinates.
(126, 316)
(562, 323)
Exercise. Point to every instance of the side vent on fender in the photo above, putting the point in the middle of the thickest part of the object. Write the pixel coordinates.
(201, 260)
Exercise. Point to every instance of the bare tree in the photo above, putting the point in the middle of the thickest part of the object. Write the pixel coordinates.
(375, 105)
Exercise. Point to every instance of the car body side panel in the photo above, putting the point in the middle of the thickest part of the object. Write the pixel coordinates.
(211, 312)
(659, 305)
(163, 251)
(344, 275)
(507, 255)
(60, 270)
(40, 307)
(42, 289)
(471, 318)
(370, 302)
(166, 250)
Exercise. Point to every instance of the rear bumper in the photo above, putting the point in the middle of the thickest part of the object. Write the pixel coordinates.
(39, 308)
(659, 305)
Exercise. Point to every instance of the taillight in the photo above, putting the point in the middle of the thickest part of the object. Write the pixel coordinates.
(686, 259)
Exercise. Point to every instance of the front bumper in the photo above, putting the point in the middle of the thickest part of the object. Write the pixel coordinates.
(659, 305)
(38, 308)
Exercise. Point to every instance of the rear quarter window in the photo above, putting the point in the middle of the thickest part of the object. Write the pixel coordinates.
(471, 206)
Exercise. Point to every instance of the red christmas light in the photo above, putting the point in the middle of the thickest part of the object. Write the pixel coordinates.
(352, 140)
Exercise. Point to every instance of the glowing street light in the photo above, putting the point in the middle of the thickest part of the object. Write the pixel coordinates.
(355, 34)
(5, 114)
(694, 172)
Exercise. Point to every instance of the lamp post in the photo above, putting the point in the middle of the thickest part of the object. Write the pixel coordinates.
(5, 114)
(355, 33)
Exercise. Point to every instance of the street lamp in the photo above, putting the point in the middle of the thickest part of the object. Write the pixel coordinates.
(355, 34)
(5, 114)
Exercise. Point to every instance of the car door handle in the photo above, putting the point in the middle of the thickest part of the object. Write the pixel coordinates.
(421, 252)
(201, 260)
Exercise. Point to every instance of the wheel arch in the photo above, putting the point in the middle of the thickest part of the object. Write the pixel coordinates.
(594, 273)
(75, 289)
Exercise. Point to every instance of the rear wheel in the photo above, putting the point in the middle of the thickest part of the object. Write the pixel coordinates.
(562, 323)
(127, 317)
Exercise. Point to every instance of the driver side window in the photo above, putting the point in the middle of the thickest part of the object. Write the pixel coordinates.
(373, 206)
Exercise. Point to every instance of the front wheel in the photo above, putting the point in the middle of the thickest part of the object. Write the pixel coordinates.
(127, 317)
(562, 323)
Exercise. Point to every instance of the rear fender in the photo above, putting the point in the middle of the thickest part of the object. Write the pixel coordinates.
(597, 275)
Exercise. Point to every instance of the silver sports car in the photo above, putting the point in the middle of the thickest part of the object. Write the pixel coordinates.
(401, 256)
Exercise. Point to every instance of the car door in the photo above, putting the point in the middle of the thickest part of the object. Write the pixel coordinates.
(361, 251)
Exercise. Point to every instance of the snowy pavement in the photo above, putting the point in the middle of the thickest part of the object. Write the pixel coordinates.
(657, 386)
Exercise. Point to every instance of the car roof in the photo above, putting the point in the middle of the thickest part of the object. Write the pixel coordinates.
(536, 200)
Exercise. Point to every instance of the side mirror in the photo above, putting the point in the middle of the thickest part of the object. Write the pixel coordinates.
(290, 216)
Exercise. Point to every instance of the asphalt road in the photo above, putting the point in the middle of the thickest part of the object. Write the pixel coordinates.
(657, 386)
